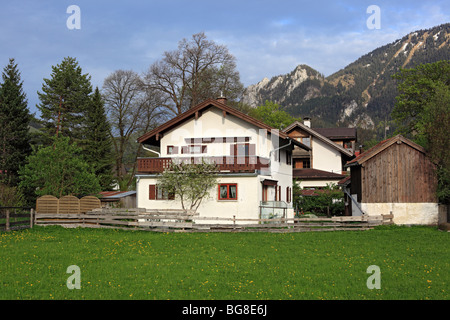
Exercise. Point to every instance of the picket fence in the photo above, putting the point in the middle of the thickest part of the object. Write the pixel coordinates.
(188, 221)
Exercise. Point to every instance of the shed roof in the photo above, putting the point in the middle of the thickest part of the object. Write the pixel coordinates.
(363, 157)
(116, 194)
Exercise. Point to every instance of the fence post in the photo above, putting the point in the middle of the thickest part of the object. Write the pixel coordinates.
(31, 217)
(7, 220)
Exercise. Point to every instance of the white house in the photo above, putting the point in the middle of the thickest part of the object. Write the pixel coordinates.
(324, 162)
(254, 160)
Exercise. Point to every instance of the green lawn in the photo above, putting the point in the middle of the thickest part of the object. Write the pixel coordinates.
(414, 264)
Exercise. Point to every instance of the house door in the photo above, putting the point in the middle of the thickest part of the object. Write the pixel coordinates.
(265, 192)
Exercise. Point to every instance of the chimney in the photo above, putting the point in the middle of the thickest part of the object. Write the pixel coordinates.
(222, 99)
(307, 122)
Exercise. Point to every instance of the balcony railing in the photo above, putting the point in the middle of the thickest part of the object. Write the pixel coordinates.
(224, 164)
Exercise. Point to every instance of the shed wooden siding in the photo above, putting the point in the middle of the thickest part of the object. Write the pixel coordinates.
(398, 174)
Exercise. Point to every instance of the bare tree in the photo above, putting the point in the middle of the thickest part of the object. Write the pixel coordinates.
(197, 70)
(132, 110)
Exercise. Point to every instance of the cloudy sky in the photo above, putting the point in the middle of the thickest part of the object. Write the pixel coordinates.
(268, 38)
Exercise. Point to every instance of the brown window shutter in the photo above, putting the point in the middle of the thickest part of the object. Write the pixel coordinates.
(233, 149)
(204, 149)
(251, 149)
(152, 192)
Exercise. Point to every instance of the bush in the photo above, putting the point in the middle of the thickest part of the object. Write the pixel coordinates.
(58, 170)
(328, 201)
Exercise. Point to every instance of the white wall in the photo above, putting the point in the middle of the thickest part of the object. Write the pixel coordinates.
(246, 206)
(315, 183)
(324, 157)
(405, 213)
(212, 123)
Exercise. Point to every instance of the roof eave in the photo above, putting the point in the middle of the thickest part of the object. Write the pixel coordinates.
(206, 104)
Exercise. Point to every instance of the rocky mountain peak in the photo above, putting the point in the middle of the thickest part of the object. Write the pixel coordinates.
(361, 94)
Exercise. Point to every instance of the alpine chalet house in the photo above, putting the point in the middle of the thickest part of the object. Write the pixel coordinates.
(254, 162)
(329, 151)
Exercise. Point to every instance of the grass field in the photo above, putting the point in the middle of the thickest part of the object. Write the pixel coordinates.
(414, 264)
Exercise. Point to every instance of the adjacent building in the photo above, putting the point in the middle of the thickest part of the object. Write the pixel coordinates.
(329, 150)
(394, 177)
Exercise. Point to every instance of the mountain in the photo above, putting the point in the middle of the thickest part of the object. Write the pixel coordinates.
(363, 93)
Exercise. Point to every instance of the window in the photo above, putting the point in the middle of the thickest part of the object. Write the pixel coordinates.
(172, 150)
(302, 163)
(306, 163)
(307, 141)
(163, 194)
(277, 193)
(156, 193)
(193, 149)
(228, 191)
(288, 157)
(242, 150)
(288, 194)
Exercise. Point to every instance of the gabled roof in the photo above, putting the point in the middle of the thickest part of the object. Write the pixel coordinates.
(337, 133)
(311, 173)
(195, 112)
(318, 136)
(363, 157)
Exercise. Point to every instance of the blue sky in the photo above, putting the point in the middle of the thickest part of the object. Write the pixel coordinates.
(268, 38)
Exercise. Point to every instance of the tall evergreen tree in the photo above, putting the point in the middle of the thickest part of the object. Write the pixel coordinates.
(97, 143)
(64, 98)
(14, 121)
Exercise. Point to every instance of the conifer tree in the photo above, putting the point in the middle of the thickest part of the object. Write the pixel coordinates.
(64, 98)
(14, 121)
(96, 142)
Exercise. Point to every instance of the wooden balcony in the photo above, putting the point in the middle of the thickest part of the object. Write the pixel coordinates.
(225, 164)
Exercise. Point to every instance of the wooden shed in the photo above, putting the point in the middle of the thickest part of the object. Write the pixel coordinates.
(118, 199)
(395, 176)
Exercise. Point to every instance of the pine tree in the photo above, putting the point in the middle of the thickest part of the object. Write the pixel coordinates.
(64, 98)
(14, 121)
(96, 142)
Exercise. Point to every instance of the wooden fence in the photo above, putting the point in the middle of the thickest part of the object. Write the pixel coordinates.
(15, 218)
(66, 204)
(186, 221)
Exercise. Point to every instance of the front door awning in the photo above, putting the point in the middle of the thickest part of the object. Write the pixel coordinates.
(268, 182)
